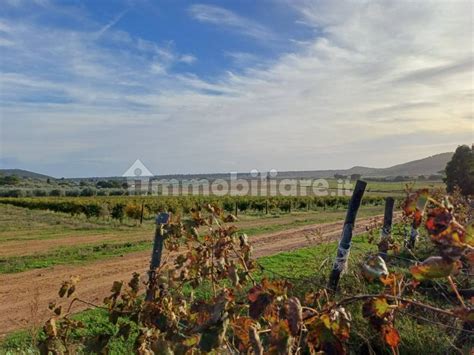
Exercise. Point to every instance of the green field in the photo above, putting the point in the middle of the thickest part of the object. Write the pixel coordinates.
(110, 238)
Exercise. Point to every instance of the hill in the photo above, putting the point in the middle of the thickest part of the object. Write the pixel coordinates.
(24, 174)
(426, 166)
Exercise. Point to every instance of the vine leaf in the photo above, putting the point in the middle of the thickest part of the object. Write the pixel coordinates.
(295, 315)
(434, 267)
(391, 336)
(241, 327)
(415, 204)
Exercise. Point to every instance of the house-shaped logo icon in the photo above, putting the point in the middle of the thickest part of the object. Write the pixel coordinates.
(137, 171)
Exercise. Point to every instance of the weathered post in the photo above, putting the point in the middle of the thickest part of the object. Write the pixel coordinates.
(266, 206)
(421, 203)
(161, 220)
(236, 209)
(141, 214)
(345, 243)
(386, 232)
(413, 237)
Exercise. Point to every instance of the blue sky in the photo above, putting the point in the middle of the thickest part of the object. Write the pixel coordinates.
(87, 87)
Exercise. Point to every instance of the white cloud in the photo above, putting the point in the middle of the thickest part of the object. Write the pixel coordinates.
(228, 19)
(368, 90)
(188, 59)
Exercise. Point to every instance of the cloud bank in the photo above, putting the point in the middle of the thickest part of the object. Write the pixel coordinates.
(377, 84)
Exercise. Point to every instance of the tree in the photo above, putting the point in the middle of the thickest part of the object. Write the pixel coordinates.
(460, 171)
(9, 180)
(355, 176)
(88, 192)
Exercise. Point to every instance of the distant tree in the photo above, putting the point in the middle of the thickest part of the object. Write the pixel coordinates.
(109, 184)
(83, 183)
(356, 176)
(9, 180)
(88, 192)
(103, 184)
(48, 181)
(40, 193)
(116, 193)
(402, 178)
(460, 171)
(339, 176)
(73, 193)
(422, 178)
(56, 192)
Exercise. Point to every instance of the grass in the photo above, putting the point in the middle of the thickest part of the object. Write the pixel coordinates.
(23, 224)
(307, 269)
(45, 225)
(303, 219)
(71, 255)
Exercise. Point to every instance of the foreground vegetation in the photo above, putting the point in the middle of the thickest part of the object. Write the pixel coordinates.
(307, 270)
(216, 299)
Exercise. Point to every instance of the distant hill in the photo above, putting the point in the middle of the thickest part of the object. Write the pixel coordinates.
(427, 166)
(24, 174)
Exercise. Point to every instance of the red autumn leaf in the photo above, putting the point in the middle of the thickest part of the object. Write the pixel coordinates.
(438, 220)
(391, 336)
(241, 327)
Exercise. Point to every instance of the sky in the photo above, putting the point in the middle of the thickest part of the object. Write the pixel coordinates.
(87, 87)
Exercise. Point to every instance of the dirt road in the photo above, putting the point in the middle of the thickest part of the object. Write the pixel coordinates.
(24, 296)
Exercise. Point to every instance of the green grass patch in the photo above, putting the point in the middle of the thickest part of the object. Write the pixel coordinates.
(71, 255)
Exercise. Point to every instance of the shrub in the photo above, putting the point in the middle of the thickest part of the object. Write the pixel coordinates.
(73, 193)
(56, 192)
(133, 211)
(88, 192)
(40, 193)
(118, 211)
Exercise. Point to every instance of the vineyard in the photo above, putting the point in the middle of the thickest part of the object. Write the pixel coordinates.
(116, 207)
(209, 295)
(236, 177)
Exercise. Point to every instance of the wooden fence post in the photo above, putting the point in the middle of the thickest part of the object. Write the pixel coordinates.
(345, 243)
(236, 209)
(413, 237)
(266, 206)
(161, 220)
(386, 231)
(141, 214)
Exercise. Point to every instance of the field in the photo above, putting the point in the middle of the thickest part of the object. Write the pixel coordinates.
(33, 241)
(41, 248)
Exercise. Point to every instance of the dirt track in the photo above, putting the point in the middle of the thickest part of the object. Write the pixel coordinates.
(24, 296)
